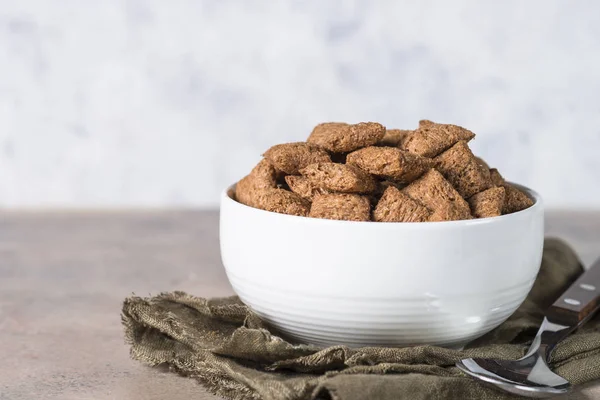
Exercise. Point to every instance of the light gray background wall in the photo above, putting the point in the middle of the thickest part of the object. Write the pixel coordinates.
(126, 103)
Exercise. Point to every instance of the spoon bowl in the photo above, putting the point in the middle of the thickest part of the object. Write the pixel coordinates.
(530, 376)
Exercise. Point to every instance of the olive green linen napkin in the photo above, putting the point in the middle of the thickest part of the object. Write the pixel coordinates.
(220, 343)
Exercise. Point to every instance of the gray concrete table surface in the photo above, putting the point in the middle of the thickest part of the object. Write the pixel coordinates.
(64, 275)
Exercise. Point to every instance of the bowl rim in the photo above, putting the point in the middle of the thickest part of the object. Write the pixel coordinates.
(537, 206)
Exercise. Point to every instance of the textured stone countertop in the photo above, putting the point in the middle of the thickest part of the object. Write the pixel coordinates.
(63, 277)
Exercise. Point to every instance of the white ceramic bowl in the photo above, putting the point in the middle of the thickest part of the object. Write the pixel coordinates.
(331, 282)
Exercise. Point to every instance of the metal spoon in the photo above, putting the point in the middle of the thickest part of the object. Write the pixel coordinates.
(530, 376)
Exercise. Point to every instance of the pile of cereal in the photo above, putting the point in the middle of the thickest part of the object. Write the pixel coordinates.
(363, 172)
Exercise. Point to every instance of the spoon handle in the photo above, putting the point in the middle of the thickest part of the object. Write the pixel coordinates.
(580, 301)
